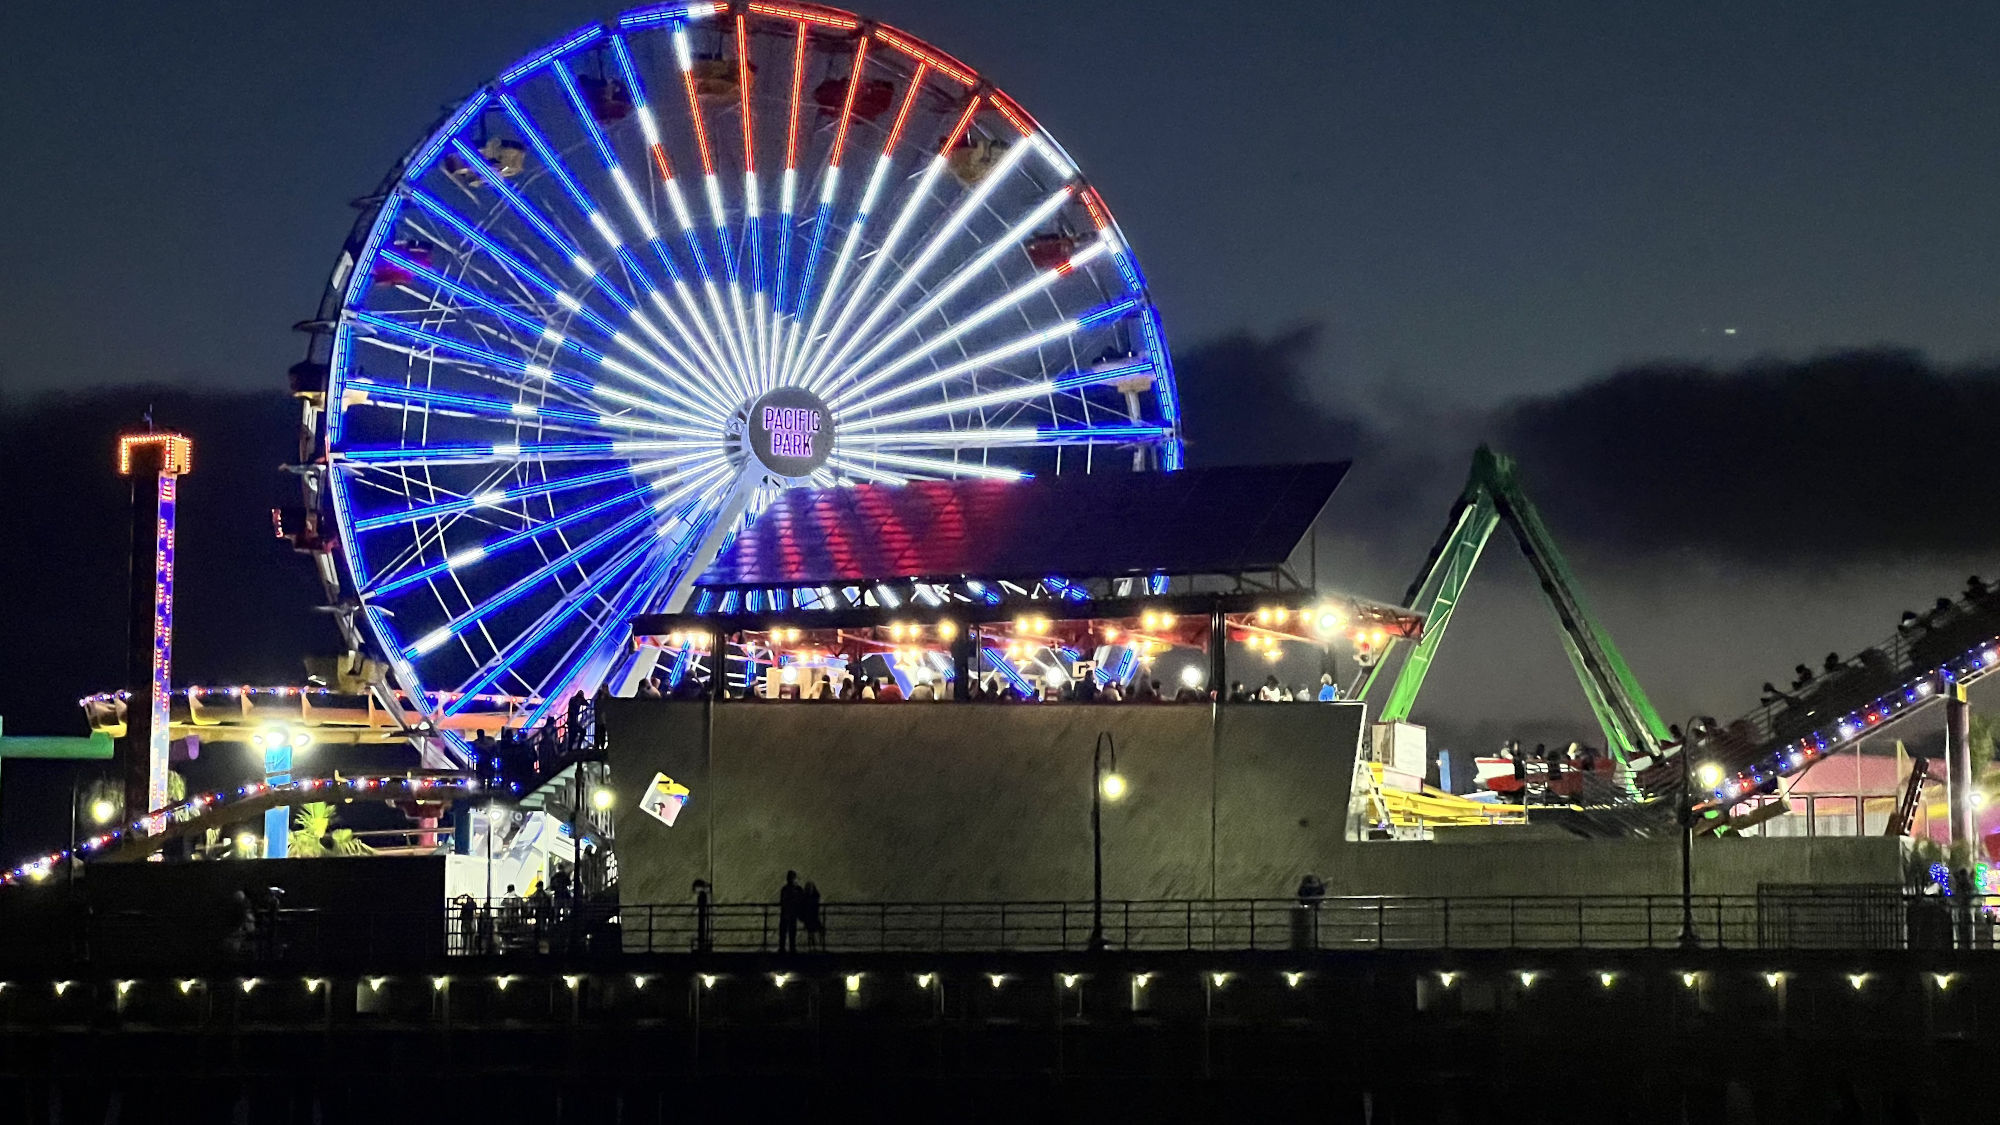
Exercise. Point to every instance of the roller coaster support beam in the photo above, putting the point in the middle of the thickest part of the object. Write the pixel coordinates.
(1493, 495)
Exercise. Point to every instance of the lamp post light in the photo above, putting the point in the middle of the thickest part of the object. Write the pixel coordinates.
(1695, 727)
(1104, 786)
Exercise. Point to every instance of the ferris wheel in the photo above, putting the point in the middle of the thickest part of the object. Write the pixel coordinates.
(666, 266)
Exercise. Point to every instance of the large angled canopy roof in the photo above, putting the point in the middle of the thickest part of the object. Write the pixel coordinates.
(1099, 525)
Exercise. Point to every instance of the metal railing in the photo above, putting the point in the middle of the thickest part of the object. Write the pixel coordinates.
(1791, 918)
(1836, 920)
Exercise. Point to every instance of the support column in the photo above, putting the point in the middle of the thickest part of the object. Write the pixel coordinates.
(1958, 763)
(964, 666)
(1218, 662)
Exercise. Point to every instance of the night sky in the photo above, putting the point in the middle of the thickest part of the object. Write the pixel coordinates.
(1637, 245)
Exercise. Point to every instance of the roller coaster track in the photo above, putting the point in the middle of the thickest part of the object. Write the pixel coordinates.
(148, 835)
(1878, 689)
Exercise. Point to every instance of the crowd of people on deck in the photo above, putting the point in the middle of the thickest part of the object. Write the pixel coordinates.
(995, 688)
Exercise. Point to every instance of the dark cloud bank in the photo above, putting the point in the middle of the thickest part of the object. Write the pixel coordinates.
(1778, 468)
(1850, 456)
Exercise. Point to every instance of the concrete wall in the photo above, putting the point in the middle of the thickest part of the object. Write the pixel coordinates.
(1543, 866)
(991, 802)
(979, 802)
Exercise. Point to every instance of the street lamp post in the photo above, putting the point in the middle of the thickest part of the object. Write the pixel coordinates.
(1104, 786)
(1688, 938)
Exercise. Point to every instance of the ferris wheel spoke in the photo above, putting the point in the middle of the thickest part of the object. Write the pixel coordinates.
(473, 453)
(829, 188)
(576, 421)
(594, 215)
(988, 358)
(600, 645)
(937, 467)
(600, 284)
(580, 389)
(727, 363)
(865, 472)
(534, 279)
(857, 227)
(384, 586)
(554, 618)
(681, 488)
(1011, 298)
(655, 552)
(788, 183)
(498, 497)
(942, 237)
(533, 580)
(758, 338)
(914, 201)
(1072, 381)
(525, 585)
(1001, 437)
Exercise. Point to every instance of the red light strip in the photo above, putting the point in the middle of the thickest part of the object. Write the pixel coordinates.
(1013, 113)
(798, 83)
(943, 62)
(660, 162)
(1095, 206)
(700, 127)
(822, 16)
(903, 114)
(847, 104)
(743, 89)
(964, 123)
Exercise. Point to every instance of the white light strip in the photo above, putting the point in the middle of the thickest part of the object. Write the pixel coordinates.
(942, 468)
(983, 359)
(967, 207)
(999, 305)
(912, 203)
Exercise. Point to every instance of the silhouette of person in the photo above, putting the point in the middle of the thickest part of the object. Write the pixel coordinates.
(789, 897)
(809, 917)
(704, 927)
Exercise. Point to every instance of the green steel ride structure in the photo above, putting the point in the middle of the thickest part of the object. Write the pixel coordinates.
(1493, 493)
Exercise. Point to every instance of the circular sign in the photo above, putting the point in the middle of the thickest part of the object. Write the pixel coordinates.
(790, 430)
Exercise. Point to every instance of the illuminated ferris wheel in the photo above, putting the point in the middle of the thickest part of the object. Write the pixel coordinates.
(666, 266)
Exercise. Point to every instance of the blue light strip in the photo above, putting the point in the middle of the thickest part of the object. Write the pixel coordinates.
(473, 351)
(481, 452)
(1069, 591)
(786, 236)
(499, 408)
(628, 604)
(421, 162)
(998, 658)
(553, 163)
(493, 250)
(658, 14)
(589, 119)
(473, 297)
(488, 550)
(524, 585)
(1112, 311)
(529, 641)
(544, 488)
(812, 259)
(583, 37)
(1163, 385)
(1088, 435)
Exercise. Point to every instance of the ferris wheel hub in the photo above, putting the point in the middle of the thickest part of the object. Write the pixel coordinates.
(788, 431)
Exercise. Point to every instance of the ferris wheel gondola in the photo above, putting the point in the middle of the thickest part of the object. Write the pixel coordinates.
(666, 266)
